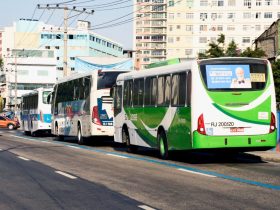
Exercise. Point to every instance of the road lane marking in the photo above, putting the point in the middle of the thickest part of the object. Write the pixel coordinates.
(120, 156)
(146, 207)
(66, 175)
(23, 158)
(169, 164)
(194, 172)
(73, 147)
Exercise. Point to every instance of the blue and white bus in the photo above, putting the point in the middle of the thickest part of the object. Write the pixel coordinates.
(36, 111)
(82, 105)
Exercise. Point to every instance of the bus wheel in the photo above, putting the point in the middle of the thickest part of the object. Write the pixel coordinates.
(57, 136)
(11, 126)
(163, 146)
(126, 140)
(80, 136)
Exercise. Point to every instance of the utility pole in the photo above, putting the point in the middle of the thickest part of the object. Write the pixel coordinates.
(15, 56)
(65, 37)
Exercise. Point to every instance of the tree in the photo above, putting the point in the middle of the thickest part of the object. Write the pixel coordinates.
(256, 53)
(276, 75)
(232, 50)
(215, 49)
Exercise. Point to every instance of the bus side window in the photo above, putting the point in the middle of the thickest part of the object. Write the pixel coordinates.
(178, 89)
(147, 92)
(154, 91)
(135, 92)
(128, 93)
(141, 92)
(160, 91)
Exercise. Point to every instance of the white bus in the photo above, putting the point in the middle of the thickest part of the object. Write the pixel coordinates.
(222, 103)
(82, 106)
(36, 111)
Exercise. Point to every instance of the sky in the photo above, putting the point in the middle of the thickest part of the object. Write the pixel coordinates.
(106, 12)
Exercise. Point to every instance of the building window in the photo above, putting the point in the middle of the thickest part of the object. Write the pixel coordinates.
(246, 40)
(189, 3)
(258, 15)
(230, 27)
(203, 27)
(171, 16)
(247, 3)
(268, 2)
(220, 3)
(213, 16)
(231, 15)
(203, 3)
(178, 15)
(57, 58)
(258, 2)
(171, 3)
(268, 15)
(178, 27)
(170, 27)
(57, 47)
(257, 27)
(170, 40)
(231, 3)
(189, 15)
(246, 27)
(219, 28)
(246, 15)
(188, 51)
(189, 27)
(47, 47)
(203, 16)
(177, 39)
(72, 58)
(203, 40)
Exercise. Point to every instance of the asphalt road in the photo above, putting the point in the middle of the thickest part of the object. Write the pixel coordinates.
(107, 177)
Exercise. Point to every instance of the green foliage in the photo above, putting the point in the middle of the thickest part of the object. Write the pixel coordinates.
(1, 64)
(256, 53)
(217, 49)
(232, 50)
(276, 75)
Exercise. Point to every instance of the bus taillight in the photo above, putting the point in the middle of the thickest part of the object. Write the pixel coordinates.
(272, 123)
(200, 125)
(95, 116)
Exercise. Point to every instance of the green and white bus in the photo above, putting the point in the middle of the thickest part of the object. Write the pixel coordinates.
(221, 103)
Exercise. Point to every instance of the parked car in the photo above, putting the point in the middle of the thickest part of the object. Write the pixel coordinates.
(6, 122)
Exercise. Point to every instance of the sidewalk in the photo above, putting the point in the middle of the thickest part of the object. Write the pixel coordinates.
(272, 156)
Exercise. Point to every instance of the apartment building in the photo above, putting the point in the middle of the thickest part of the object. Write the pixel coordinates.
(166, 29)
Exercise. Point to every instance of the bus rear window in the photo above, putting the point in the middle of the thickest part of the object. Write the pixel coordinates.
(45, 96)
(107, 79)
(235, 76)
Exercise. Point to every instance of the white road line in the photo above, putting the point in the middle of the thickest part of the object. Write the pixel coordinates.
(23, 158)
(120, 156)
(194, 172)
(146, 207)
(66, 175)
(73, 147)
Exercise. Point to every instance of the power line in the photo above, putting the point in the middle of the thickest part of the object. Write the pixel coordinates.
(105, 4)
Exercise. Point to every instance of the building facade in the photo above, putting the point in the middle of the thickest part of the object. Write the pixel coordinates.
(166, 29)
(269, 41)
(40, 49)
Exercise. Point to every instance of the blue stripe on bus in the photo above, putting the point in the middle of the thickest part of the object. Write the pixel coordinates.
(36, 117)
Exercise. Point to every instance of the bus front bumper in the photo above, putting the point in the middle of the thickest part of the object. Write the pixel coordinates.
(250, 142)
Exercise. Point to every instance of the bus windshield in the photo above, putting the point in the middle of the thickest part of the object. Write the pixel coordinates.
(234, 76)
(45, 96)
(107, 79)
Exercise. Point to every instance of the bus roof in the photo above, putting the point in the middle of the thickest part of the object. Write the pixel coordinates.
(188, 65)
(84, 74)
(35, 91)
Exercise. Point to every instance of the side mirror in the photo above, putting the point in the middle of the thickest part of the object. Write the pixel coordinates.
(49, 98)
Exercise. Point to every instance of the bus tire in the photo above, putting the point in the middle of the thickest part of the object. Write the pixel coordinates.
(57, 136)
(163, 145)
(126, 140)
(11, 127)
(80, 136)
